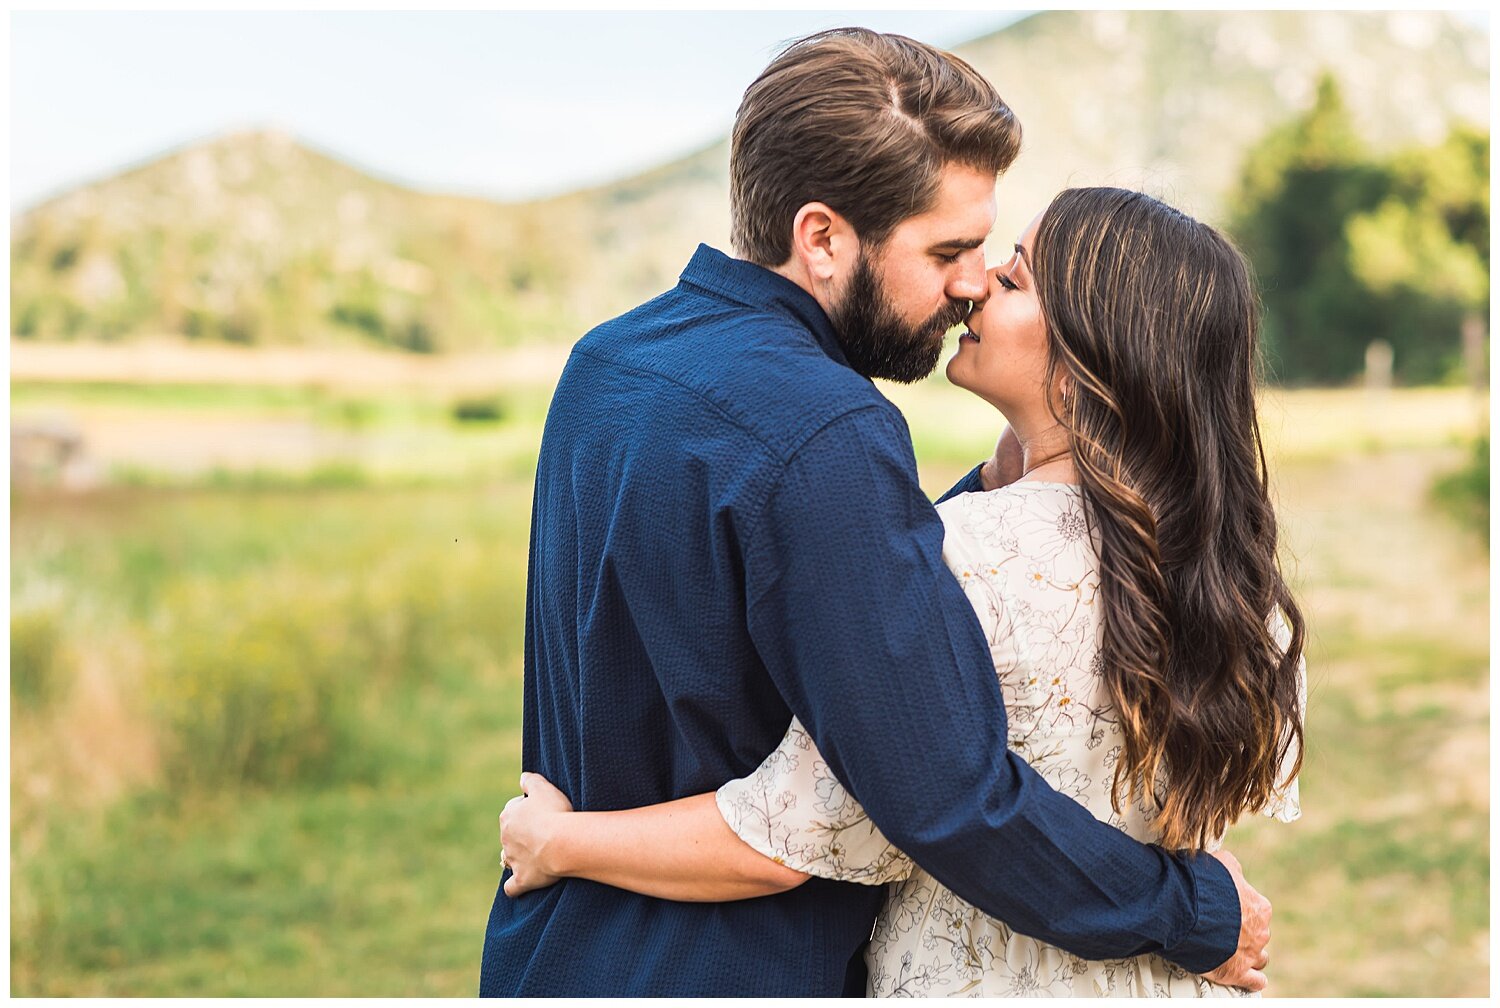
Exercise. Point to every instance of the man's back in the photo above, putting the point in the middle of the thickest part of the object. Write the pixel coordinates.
(665, 436)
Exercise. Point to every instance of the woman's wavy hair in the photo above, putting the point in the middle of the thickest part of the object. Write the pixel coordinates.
(1153, 317)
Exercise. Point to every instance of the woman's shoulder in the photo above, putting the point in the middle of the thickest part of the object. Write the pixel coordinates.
(1034, 493)
(1013, 516)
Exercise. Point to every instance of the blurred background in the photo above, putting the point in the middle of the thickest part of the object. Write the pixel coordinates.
(288, 296)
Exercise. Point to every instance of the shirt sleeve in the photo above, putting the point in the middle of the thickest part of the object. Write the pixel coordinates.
(969, 484)
(876, 650)
(793, 810)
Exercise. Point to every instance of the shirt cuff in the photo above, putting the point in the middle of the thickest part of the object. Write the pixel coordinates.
(969, 484)
(1215, 934)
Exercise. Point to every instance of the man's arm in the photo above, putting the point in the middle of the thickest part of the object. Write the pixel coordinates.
(875, 648)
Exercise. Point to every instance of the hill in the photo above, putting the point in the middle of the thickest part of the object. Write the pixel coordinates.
(258, 238)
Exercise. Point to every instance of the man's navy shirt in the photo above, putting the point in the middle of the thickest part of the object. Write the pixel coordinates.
(728, 530)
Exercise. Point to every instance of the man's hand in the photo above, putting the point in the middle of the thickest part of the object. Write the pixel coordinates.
(1006, 465)
(526, 827)
(1246, 967)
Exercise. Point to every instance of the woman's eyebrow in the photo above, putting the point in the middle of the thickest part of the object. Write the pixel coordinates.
(1022, 253)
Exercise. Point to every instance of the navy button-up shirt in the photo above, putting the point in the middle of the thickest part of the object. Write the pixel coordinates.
(728, 530)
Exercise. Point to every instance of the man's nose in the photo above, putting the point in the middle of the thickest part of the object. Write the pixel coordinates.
(969, 283)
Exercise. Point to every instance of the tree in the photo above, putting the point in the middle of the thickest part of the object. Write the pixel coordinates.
(1351, 248)
(1424, 250)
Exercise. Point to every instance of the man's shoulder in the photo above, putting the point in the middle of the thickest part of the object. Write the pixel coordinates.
(757, 370)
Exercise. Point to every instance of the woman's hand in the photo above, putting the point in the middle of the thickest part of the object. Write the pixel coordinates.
(1005, 466)
(527, 826)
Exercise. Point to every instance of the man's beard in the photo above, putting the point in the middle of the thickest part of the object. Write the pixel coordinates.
(875, 339)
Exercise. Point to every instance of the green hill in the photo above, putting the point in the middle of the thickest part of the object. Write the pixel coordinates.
(258, 238)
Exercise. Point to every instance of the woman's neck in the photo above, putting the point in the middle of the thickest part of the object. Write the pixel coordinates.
(1046, 455)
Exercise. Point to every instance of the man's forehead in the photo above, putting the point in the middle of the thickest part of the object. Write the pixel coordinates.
(971, 219)
(958, 227)
(964, 208)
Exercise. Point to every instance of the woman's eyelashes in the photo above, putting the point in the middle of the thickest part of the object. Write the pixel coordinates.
(1006, 281)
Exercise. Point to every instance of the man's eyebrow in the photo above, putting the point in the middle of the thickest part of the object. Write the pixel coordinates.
(961, 243)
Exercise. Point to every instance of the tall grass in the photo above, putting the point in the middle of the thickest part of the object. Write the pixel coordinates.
(331, 681)
(268, 625)
(38, 661)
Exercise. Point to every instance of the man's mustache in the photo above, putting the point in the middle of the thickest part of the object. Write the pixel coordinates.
(948, 317)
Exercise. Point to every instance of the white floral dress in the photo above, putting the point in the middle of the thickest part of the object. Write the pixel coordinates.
(1030, 569)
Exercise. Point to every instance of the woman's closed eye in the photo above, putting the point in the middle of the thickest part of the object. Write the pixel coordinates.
(1006, 281)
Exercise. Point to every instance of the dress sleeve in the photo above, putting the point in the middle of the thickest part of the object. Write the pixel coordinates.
(1286, 806)
(793, 810)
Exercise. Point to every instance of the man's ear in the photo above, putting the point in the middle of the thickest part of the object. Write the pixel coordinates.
(823, 241)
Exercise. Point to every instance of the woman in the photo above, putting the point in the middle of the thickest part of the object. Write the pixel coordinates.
(1148, 648)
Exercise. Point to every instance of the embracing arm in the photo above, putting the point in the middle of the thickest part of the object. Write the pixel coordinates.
(877, 651)
(679, 850)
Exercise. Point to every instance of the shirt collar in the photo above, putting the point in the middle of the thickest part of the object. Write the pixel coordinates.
(757, 287)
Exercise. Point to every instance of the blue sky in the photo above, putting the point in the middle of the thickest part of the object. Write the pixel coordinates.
(509, 105)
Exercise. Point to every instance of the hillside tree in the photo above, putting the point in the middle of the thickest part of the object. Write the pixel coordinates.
(1350, 248)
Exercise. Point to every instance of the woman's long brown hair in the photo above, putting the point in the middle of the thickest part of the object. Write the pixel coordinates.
(1153, 319)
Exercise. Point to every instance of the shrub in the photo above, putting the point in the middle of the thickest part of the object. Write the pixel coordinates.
(1465, 494)
(479, 410)
(355, 414)
(38, 667)
(255, 684)
(271, 678)
(416, 336)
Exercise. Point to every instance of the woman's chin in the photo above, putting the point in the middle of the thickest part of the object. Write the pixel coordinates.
(956, 370)
(961, 375)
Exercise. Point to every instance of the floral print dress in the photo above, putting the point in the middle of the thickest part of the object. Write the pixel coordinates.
(1029, 567)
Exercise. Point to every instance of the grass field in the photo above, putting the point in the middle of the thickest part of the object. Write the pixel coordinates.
(263, 719)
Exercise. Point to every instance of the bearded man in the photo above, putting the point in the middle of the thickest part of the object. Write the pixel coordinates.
(728, 530)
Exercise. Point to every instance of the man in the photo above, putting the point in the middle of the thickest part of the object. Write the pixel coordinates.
(728, 530)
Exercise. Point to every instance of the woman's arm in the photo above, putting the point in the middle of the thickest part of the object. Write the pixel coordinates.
(678, 850)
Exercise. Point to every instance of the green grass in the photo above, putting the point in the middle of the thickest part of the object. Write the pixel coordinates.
(1383, 887)
(362, 889)
(364, 863)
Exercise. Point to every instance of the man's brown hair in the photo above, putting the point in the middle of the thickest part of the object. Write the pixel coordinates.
(863, 122)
